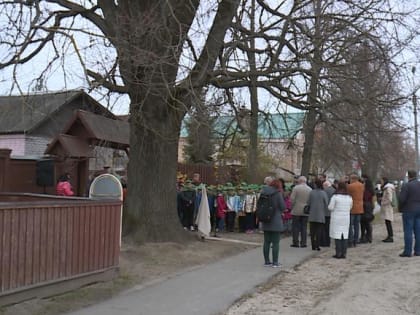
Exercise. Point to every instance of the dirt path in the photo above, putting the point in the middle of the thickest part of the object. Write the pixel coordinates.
(372, 280)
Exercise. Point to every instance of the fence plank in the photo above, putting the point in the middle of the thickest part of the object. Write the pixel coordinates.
(6, 252)
(14, 246)
(28, 246)
(44, 242)
(36, 252)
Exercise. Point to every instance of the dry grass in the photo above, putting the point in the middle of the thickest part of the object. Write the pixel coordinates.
(139, 266)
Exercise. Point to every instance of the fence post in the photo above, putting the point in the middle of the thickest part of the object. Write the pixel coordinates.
(4, 168)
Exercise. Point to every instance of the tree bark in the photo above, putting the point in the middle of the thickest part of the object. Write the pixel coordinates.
(151, 209)
(253, 163)
(309, 128)
(157, 108)
(311, 115)
(253, 91)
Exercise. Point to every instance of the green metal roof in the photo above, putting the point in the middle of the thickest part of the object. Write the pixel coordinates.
(270, 126)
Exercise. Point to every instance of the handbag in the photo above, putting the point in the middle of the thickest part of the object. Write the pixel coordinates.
(306, 209)
(377, 208)
(368, 216)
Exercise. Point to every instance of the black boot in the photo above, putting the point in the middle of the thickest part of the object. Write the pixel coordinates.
(338, 249)
(343, 248)
(390, 238)
(363, 240)
(369, 232)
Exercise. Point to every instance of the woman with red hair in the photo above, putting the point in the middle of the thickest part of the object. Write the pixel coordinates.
(273, 228)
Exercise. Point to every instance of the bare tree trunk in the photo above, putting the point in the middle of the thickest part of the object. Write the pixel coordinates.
(253, 162)
(157, 108)
(311, 115)
(309, 127)
(253, 90)
(151, 213)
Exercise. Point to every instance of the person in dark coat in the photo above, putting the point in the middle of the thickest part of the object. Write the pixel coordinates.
(273, 228)
(186, 204)
(409, 204)
(367, 216)
(318, 205)
(325, 240)
(211, 197)
(299, 198)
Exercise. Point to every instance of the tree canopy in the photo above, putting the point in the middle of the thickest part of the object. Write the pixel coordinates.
(163, 53)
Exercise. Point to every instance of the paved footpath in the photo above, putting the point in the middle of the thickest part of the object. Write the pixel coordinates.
(205, 290)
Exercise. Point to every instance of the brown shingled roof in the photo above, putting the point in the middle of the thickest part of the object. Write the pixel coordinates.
(86, 129)
(96, 130)
(104, 129)
(69, 146)
(24, 112)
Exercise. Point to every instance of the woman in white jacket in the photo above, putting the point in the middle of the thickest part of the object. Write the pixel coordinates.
(340, 206)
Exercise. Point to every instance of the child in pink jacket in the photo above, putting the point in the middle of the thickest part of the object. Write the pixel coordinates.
(221, 211)
(63, 187)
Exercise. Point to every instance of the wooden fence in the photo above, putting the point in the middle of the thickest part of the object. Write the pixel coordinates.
(211, 174)
(46, 240)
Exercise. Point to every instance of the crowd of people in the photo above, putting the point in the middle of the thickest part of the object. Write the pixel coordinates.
(344, 211)
(340, 210)
(232, 208)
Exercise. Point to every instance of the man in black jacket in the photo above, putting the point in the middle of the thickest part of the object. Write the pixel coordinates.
(409, 202)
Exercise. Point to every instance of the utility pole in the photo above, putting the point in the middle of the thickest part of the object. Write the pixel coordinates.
(416, 134)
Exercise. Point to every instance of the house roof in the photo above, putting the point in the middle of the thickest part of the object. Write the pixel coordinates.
(70, 146)
(271, 126)
(86, 129)
(280, 126)
(110, 131)
(23, 113)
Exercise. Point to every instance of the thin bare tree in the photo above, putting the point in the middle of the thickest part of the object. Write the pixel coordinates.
(297, 42)
(362, 120)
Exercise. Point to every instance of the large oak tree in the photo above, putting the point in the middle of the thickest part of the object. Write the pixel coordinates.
(143, 44)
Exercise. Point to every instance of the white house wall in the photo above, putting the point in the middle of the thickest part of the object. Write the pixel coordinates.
(24, 145)
(36, 145)
(107, 157)
(16, 143)
(286, 156)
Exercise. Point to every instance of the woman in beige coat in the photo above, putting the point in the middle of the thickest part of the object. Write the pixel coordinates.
(387, 210)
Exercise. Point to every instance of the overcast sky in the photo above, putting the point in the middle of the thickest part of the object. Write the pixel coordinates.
(70, 74)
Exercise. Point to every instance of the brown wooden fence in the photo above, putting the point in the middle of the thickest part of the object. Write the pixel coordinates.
(20, 174)
(48, 239)
(211, 174)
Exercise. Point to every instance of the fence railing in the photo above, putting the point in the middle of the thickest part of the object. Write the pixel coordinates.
(49, 239)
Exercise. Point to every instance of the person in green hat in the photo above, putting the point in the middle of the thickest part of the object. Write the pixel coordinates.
(249, 208)
(211, 197)
(220, 210)
(231, 201)
(241, 191)
(186, 205)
